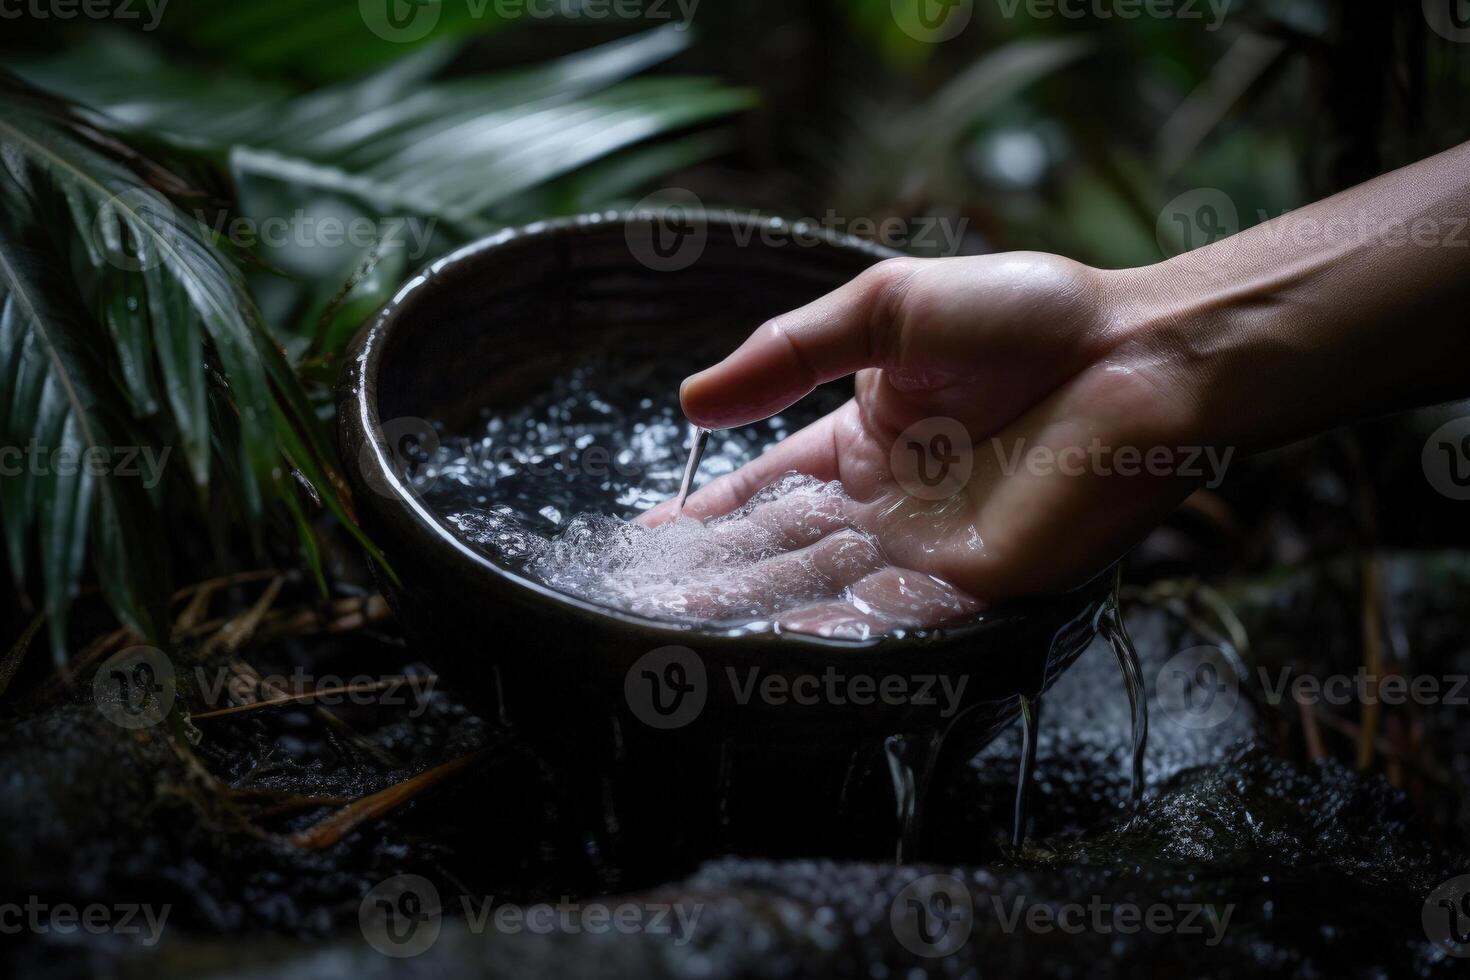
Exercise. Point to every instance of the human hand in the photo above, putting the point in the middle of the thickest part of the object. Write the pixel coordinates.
(1029, 355)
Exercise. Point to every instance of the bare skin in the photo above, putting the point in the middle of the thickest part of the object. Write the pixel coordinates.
(1356, 305)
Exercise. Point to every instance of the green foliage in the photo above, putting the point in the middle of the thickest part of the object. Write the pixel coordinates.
(394, 140)
(128, 321)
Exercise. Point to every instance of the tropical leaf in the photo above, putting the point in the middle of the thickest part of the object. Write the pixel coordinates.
(161, 323)
(166, 290)
(451, 149)
(59, 406)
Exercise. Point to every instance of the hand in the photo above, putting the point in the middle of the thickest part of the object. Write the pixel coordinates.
(1064, 379)
(1030, 354)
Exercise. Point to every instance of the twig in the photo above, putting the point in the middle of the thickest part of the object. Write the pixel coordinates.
(237, 631)
(331, 830)
(280, 801)
(351, 614)
(1310, 731)
(17, 651)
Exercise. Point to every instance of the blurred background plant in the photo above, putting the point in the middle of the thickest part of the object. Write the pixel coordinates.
(178, 269)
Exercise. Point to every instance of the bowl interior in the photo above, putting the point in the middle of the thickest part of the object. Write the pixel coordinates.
(501, 324)
(492, 325)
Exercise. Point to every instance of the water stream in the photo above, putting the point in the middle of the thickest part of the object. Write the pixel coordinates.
(698, 440)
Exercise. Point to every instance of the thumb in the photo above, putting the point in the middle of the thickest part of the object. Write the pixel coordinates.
(840, 333)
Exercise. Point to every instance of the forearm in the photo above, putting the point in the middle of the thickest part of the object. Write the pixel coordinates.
(1354, 306)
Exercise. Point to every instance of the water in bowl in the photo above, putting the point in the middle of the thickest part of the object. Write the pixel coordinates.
(552, 489)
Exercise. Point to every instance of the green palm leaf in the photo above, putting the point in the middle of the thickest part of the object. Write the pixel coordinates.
(450, 149)
(154, 328)
(152, 264)
(59, 400)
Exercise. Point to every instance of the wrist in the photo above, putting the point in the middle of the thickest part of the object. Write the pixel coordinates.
(1176, 325)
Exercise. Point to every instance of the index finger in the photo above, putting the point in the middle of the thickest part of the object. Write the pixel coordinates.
(831, 337)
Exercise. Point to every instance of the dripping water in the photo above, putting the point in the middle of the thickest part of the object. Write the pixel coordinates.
(1110, 624)
(698, 440)
(905, 791)
(1030, 730)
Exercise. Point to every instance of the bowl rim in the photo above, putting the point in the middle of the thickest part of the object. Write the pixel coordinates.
(361, 430)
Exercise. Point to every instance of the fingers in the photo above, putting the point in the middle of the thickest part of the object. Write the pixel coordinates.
(889, 599)
(792, 521)
(759, 591)
(832, 337)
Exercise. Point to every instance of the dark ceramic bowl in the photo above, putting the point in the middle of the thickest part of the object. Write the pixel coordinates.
(657, 725)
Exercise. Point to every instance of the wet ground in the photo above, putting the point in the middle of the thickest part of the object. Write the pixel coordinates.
(1259, 848)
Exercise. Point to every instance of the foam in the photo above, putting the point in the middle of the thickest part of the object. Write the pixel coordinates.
(793, 557)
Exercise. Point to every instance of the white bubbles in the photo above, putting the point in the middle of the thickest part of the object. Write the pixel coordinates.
(732, 569)
(548, 489)
(792, 558)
